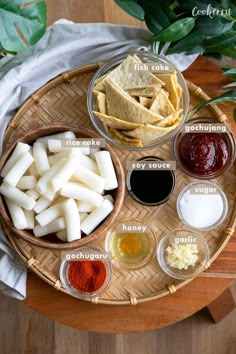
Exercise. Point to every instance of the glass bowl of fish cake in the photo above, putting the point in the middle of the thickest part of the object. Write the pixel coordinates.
(138, 100)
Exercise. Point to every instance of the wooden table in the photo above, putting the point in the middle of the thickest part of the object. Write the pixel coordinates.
(167, 310)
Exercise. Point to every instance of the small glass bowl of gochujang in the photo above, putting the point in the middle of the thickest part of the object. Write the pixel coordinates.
(86, 277)
(202, 153)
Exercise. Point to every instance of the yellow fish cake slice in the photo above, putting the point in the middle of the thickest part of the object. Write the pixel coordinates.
(150, 133)
(116, 123)
(173, 118)
(145, 101)
(122, 106)
(126, 77)
(161, 104)
(170, 81)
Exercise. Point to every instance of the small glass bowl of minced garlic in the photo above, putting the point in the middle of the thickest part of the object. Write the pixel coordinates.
(183, 253)
(132, 244)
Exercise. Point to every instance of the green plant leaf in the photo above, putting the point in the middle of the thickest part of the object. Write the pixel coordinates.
(225, 68)
(229, 52)
(229, 72)
(220, 42)
(167, 10)
(187, 43)
(132, 8)
(227, 96)
(152, 24)
(196, 50)
(233, 12)
(213, 26)
(226, 4)
(200, 4)
(234, 114)
(161, 45)
(154, 11)
(210, 55)
(175, 31)
(17, 18)
(232, 84)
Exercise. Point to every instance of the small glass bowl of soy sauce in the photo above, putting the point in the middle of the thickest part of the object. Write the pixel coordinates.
(151, 187)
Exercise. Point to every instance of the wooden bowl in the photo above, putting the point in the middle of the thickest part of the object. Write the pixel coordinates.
(51, 241)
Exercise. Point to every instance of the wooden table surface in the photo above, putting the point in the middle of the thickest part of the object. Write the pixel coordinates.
(162, 312)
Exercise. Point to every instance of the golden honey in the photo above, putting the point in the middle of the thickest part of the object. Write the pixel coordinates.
(131, 247)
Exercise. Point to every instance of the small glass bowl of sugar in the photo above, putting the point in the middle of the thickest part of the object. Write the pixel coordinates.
(202, 205)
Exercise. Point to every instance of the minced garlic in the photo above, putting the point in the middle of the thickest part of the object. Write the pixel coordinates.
(182, 256)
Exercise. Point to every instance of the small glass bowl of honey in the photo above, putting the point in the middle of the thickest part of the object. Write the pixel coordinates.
(132, 244)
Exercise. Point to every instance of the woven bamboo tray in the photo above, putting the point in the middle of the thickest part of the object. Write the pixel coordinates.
(64, 100)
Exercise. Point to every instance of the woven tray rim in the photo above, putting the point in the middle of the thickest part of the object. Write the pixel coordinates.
(31, 262)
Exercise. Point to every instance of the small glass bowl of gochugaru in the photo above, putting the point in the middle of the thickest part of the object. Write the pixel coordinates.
(86, 273)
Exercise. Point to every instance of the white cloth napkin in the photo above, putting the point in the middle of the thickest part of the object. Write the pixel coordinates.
(65, 46)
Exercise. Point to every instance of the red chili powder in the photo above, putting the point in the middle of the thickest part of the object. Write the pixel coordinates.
(87, 276)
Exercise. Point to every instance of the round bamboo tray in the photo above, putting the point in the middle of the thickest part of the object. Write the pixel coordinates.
(52, 241)
(64, 100)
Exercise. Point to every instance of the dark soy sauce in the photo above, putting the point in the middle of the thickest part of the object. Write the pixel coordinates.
(151, 187)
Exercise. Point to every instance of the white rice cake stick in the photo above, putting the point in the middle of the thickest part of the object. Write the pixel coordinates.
(106, 169)
(72, 220)
(93, 150)
(20, 167)
(84, 149)
(17, 215)
(96, 217)
(62, 235)
(33, 193)
(53, 227)
(27, 182)
(52, 159)
(43, 183)
(20, 149)
(76, 191)
(41, 204)
(90, 178)
(41, 158)
(50, 195)
(84, 207)
(29, 215)
(82, 216)
(16, 196)
(65, 172)
(89, 163)
(58, 199)
(64, 135)
(56, 145)
(33, 170)
(109, 197)
(50, 214)
(74, 179)
(56, 157)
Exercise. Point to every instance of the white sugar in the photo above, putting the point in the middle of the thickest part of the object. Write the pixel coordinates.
(201, 211)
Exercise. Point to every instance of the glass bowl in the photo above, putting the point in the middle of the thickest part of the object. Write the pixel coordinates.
(77, 293)
(192, 189)
(120, 259)
(135, 197)
(183, 237)
(227, 137)
(145, 56)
